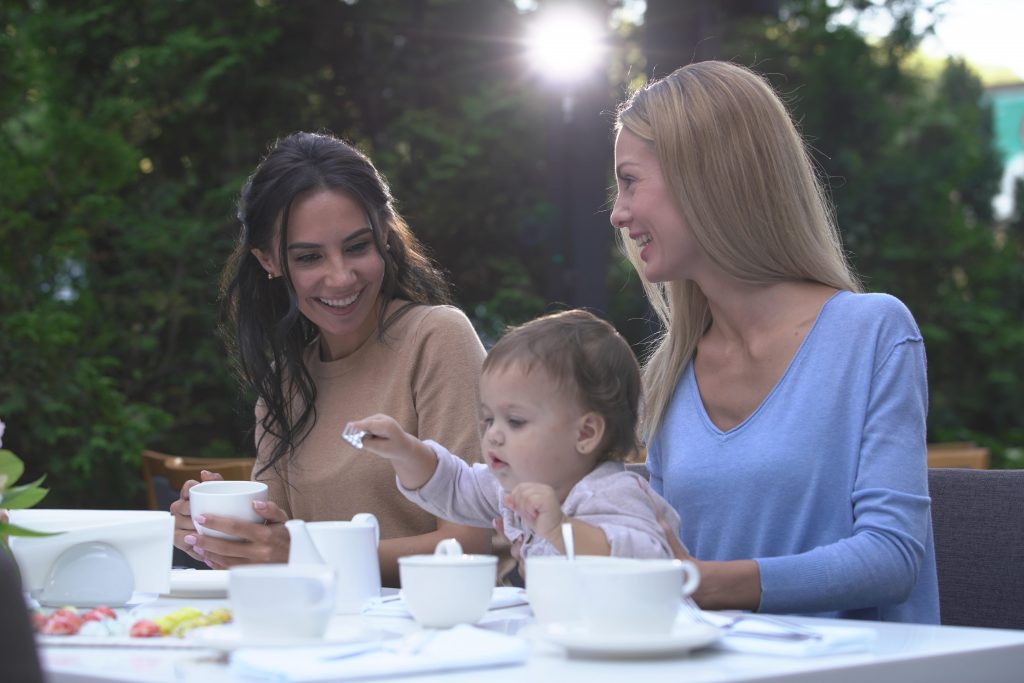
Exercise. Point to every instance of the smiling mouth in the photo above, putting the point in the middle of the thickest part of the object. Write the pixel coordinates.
(643, 241)
(339, 303)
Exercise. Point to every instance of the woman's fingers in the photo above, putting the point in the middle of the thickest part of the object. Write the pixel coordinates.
(671, 535)
(678, 549)
(270, 512)
(264, 542)
(258, 543)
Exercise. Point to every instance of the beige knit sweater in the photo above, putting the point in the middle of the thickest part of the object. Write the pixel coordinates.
(425, 374)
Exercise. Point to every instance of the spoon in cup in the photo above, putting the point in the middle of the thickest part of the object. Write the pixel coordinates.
(570, 550)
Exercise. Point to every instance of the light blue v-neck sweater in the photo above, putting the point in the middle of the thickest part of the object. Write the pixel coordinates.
(825, 485)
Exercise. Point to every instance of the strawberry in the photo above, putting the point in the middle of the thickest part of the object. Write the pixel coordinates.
(144, 628)
(62, 623)
(99, 613)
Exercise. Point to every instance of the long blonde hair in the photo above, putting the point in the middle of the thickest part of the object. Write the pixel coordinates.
(745, 186)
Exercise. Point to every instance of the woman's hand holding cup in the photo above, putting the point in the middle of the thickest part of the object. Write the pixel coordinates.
(226, 523)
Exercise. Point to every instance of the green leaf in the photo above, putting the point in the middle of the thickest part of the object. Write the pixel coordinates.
(21, 497)
(7, 529)
(11, 466)
(36, 483)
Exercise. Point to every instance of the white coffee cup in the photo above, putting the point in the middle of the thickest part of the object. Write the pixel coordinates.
(448, 587)
(225, 499)
(553, 585)
(642, 597)
(281, 601)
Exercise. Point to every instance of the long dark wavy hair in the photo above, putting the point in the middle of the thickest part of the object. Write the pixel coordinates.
(265, 332)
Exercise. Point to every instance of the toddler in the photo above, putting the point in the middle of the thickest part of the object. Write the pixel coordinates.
(558, 413)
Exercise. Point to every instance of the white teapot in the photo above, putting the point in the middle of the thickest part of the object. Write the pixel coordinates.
(350, 548)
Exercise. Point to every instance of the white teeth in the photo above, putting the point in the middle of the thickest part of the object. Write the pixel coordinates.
(340, 302)
(643, 240)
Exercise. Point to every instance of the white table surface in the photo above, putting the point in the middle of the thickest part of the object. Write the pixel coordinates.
(904, 653)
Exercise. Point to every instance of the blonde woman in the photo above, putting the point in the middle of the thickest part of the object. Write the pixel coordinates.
(785, 410)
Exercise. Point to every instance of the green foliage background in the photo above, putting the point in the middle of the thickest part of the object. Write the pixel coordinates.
(127, 128)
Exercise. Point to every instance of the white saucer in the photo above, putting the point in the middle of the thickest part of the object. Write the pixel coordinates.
(229, 637)
(579, 641)
(198, 583)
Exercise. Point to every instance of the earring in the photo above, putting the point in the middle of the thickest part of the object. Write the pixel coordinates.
(270, 276)
(387, 245)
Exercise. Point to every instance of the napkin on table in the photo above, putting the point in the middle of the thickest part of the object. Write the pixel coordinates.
(461, 647)
(394, 605)
(763, 636)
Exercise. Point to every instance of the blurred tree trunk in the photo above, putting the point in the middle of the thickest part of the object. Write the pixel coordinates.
(579, 159)
(678, 32)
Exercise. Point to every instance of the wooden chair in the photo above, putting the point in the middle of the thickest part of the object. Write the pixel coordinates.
(979, 546)
(165, 474)
(962, 454)
(233, 469)
(639, 468)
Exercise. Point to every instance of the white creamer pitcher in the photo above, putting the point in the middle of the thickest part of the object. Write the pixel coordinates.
(349, 547)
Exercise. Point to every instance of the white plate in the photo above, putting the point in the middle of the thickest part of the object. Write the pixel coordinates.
(392, 604)
(162, 643)
(229, 637)
(128, 617)
(199, 583)
(579, 641)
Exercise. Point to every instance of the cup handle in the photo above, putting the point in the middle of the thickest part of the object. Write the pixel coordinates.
(369, 518)
(691, 577)
(448, 547)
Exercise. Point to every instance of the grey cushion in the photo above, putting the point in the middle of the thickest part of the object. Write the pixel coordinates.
(978, 520)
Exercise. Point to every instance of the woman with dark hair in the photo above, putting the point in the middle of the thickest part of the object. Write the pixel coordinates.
(332, 308)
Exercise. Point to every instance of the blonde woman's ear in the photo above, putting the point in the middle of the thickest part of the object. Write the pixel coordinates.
(590, 434)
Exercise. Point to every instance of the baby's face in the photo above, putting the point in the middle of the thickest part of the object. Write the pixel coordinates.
(529, 427)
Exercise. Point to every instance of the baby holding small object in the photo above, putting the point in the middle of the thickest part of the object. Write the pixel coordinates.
(559, 400)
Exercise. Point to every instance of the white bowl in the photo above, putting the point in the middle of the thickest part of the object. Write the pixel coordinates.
(143, 538)
(445, 590)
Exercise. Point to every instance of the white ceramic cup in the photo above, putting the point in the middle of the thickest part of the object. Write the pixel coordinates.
(281, 601)
(642, 597)
(448, 587)
(553, 585)
(225, 499)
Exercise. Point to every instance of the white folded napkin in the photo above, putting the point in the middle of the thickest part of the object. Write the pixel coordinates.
(394, 605)
(461, 647)
(756, 635)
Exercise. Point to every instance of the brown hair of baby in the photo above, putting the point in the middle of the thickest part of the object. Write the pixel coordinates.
(590, 359)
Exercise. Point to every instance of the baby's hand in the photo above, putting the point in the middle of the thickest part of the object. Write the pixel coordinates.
(412, 459)
(538, 505)
(384, 436)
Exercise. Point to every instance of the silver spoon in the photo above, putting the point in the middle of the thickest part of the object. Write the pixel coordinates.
(570, 550)
(353, 436)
